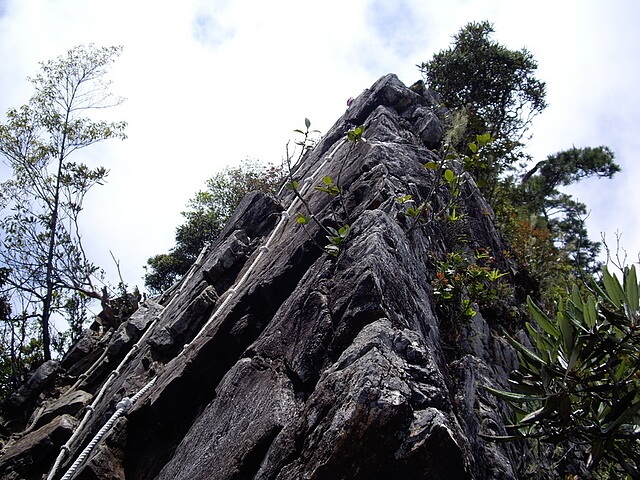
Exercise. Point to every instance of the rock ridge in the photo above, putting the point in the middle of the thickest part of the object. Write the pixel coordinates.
(274, 360)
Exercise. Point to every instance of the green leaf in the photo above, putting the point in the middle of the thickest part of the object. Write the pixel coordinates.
(327, 180)
(549, 408)
(355, 135)
(431, 165)
(576, 298)
(513, 397)
(330, 190)
(473, 147)
(449, 176)
(541, 342)
(526, 385)
(495, 274)
(303, 219)
(307, 123)
(500, 438)
(525, 351)
(453, 215)
(483, 139)
(541, 319)
(590, 313)
(566, 331)
(414, 212)
(631, 288)
(575, 354)
(613, 288)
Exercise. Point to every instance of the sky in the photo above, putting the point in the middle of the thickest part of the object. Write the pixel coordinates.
(209, 83)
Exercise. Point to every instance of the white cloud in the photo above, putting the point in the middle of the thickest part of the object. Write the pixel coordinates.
(211, 82)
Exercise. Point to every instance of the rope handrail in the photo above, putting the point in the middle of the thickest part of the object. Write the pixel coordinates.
(122, 408)
(66, 448)
(285, 215)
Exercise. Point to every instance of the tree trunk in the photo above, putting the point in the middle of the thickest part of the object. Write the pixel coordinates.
(48, 298)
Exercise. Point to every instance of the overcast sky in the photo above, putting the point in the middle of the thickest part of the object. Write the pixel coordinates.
(211, 82)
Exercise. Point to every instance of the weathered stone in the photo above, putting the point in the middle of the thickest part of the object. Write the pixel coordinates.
(78, 351)
(69, 403)
(106, 461)
(17, 409)
(161, 340)
(76, 364)
(430, 128)
(120, 341)
(232, 252)
(31, 455)
(274, 360)
(142, 318)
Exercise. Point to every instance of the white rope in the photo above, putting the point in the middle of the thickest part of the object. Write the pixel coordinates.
(307, 181)
(194, 267)
(122, 408)
(284, 216)
(66, 448)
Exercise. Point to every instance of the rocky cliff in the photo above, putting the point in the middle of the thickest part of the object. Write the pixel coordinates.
(273, 359)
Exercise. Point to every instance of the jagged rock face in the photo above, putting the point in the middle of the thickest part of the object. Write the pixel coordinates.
(275, 360)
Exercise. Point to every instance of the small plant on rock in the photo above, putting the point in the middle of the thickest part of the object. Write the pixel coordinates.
(335, 236)
(451, 171)
(461, 283)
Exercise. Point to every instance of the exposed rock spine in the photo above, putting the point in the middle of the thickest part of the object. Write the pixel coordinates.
(313, 367)
(116, 372)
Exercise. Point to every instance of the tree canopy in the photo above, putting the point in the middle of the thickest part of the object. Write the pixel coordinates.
(207, 213)
(577, 382)
(488, 88)
(41, 245)
(538, 193)
(495, 85)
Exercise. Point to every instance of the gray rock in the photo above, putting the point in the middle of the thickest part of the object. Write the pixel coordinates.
(138, 322)
(32, 455)
(275, 360)
(71, 403)
(17, 409)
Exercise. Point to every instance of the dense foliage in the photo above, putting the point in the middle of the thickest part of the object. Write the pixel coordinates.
(538, 193)
(207, 213)
(495, 85)
(579, 379)
(491, 89)
(577, 387)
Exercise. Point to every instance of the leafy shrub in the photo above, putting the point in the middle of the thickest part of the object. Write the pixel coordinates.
(579, 379)
(461, 283)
